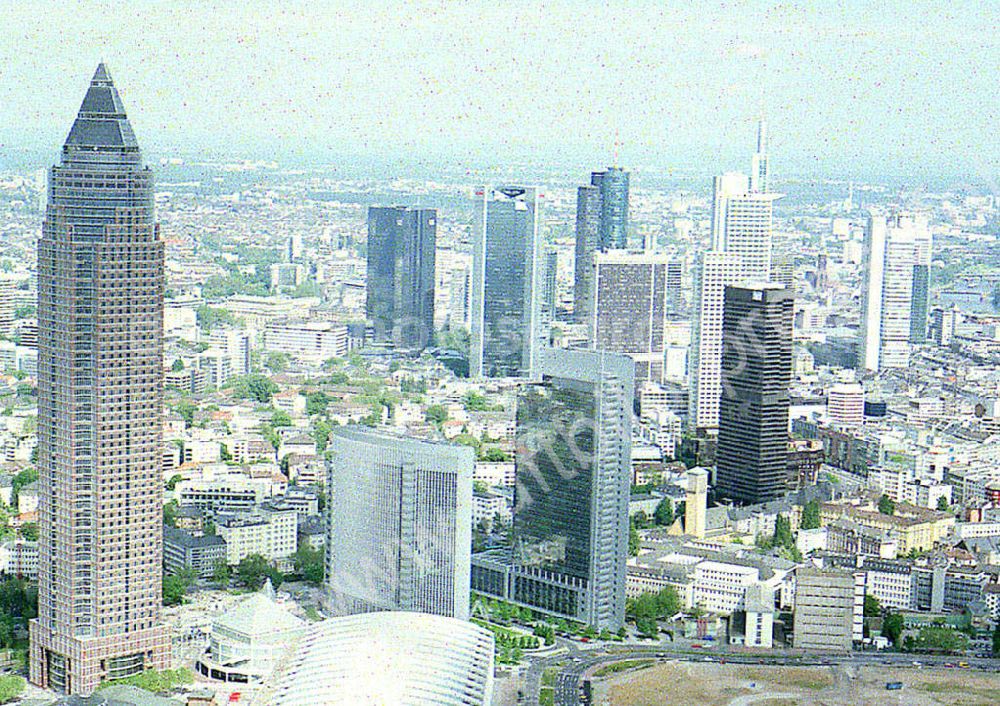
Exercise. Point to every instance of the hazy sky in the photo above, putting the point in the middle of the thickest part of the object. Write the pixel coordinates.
(846, 86)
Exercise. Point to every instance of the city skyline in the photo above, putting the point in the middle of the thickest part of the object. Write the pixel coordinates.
(660, 99)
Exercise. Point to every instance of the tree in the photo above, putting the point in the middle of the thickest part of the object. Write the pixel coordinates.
(278, 362)
(186, 409)
(317, 402)
(178, 365)
(940, 639)
(640, 519)
(254, 386)
(942, 503)
(208, 528)
(783, 532)
(996, 639)
(892, 627)
(174, 588)
(254, 569)
(280, 418)
(810, 515)
(170, 513)
(209, 317)
(18, 598)
(436, 414)
(11, 687)
(634, 543)
(221, 573)
(872, 608)
(495, 455)
(321, 434)
(309, 564)
(174, 480)
(25, 477)
(886, 505)
(475, 402)
(663, 515)
(29, 530)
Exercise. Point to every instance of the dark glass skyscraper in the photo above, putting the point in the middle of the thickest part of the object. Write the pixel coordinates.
(570, 531)
(920, 305)
(506, 283)
(401, 251)
(613, 184)
(601, 225)
(752, 457)
(100, 400)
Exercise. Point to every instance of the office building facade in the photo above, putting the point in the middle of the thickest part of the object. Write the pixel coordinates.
(601, 225)
(742, 251)
(399, 524)
(100, 402)
(752, 456)
(630, 308)
(506, 282)
(570, 529)
(714, 271)
(894, 289)
(400, 284)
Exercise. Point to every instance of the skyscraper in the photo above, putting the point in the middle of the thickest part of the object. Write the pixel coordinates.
(506, 274)
(742, 251)
(894, 252)
(752, 461)
(920, 305)
(759, 165)
(588, 227)
(742, 224)
(713, 272)
(100, 388)
(399, 530)
(401, 252)
(630, 308)
(548, 304)
(613, 185)
(601, 225)
(570, 530)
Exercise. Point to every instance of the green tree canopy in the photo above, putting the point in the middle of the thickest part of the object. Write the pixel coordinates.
(254, 569)
(872, 608)
(810, 515)
(309, 564)
(886, 505)
(436, 414)
(29, 531)
(663, 515)
(317, 402)
(11, 687)
(254, 386)
(892, 627)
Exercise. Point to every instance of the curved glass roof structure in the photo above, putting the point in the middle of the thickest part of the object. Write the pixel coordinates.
(399, 658)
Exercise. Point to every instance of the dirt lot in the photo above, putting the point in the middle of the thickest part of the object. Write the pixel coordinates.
(739, 685)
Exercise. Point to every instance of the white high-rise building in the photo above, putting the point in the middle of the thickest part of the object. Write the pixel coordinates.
(845, 405)
(742, 223)
(894, 246)
(713, 273)
(742, 227)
